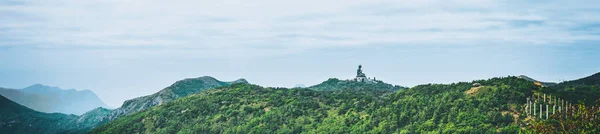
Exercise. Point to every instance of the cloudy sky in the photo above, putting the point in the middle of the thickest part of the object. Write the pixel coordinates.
(122, 49)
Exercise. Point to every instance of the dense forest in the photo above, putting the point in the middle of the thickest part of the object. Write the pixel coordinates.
(585, 94)
(495, 105)
(582, 91)
(334, 84)
(15, 118)
(492, 106)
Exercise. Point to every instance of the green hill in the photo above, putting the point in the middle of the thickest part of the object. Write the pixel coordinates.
(206, 105)
(177, 90)
(243, 108)
(546, 84)
(15, 118)
(334, 84)
(583, 91)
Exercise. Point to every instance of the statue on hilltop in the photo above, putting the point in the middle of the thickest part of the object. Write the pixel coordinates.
(359, 72)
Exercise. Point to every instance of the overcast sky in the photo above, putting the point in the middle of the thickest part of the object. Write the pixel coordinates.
(122, 49)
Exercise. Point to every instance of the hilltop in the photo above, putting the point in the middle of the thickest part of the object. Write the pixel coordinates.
(334, 84)
(61, 123)
(540, 83)
(177, 90)
(584, 91)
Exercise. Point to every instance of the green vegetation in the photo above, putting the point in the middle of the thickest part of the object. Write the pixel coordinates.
(18, 121)
(585, 93)
(177, 90)
(203, 105)
(585, 120)
(582, 91)
(334, 84)
(15, 118)
(431, 108)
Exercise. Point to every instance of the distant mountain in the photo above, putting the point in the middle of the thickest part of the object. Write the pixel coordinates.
(34, 101)
(299, 86)
(545, 84)
(53, 99)
(177, 90)
(334, 84)
(590, 80)
(15, 118)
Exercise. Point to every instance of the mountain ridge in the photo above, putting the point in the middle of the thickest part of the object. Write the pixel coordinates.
(176, 90)
(54, 99)
(99, 115)
(540, 83)
(335, 84)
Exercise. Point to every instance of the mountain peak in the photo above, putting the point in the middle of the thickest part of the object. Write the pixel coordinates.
(337, 84)
(206, 78)
(539, 83)
(241, 80)
(177, 90)
(38, 86)
(527, 78)
(590, 80)
(70, 101)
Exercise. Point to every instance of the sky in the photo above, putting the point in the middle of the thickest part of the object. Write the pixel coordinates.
(122, 49)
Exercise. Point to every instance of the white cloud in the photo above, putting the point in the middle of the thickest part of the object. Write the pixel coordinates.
(293, 25)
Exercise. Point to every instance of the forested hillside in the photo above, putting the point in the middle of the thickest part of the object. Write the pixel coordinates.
(334, 84)
(205, 105)
(15, 118)
(583, 91)
(584, 115)
(242, 108)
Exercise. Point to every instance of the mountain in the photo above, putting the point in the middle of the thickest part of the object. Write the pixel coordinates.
(430, 108)
(545, 84)
(589, 80)
(206, 105)
(15, 118)
(334, 84)
(177, 90)
(54, 99)
(299, 86)
(61, 123)
(584, 91)
(34, 101)
(92, 118)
